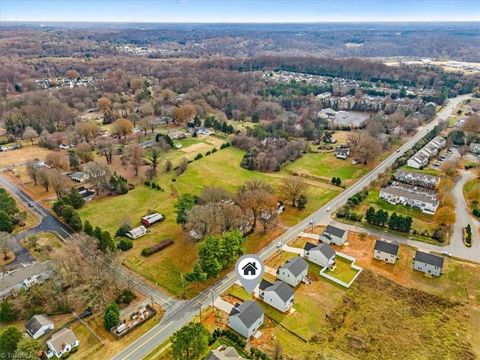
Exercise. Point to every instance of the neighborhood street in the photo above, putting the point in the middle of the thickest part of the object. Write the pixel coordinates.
(182, 315)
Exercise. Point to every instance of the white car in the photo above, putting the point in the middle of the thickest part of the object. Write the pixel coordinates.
(445, 252)
(328, 209)
(279, 244)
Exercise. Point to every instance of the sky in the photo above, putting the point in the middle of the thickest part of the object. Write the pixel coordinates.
(239, 11)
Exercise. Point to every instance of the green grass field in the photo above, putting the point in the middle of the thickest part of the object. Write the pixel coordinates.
(343, 270)
(219, 169)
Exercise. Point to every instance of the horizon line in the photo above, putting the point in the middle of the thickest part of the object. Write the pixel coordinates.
(238, 22)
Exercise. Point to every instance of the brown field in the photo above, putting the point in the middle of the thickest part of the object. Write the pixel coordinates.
(23, 155)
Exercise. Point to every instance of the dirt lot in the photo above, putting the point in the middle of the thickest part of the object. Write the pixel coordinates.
(22, 156)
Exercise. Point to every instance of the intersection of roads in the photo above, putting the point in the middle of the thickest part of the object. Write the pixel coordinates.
(180, 312)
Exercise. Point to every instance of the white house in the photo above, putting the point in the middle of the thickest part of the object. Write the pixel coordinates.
(79, 176)
(62, 342)
(428, 263)
(293, 271)
(474, 148)
(321, 254)
(333, 235)
(426, 201)
(38, 325)
(23, 278)
(246, 318)
(278, 295)
(342, 153)
(423, 156)
(137, 232)
(417, 179)
(386, 251)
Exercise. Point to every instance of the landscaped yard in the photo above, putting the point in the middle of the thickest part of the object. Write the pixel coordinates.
(343, 270)
(471, 191)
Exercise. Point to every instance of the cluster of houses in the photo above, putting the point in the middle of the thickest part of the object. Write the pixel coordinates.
(23, 278)
(423, 156)
(413, 189)
(64, 82)
(427, 263)
(339, 119)
(60, 344)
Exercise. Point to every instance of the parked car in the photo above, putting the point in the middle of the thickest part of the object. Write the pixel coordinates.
(279, 244)
(85, 313)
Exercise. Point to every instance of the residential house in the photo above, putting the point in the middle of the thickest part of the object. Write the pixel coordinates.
(224, 352)
(417, 197)
(137, 232)
(87, 194)
(278, 295)
(79, 176)
(62, 342)
(333, 235)
(23, 278)
(246, 318)
(38, 325)
(386, 251)
(417, 179)
(342, 152)
(321, 254)
(428, 263)
(293, 271)
(423, 156)
(474, 148)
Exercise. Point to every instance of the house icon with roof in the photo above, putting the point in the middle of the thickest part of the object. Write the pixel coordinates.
(250, 268)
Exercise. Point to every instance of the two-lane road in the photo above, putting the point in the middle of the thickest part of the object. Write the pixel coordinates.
(185, 313)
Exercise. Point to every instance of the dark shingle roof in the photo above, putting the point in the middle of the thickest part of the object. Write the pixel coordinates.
(296, 265)
(248, 312)
(308, 246)
(282, 289)
(335, 231)
(265, 284)
(389, 248)
(429, 258)
(36, 322)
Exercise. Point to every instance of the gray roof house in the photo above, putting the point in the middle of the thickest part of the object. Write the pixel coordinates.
(386, 251)
(293, 271)
(246, 318)
(333, 235)
(62, 342)
(79, 176)
(278, 295)
(417, 179)
(342, 153)
(38, 325)
(321, 254)
(421, 158)
(224, 353)
(428, 263)
(23, 278)
(425, 200)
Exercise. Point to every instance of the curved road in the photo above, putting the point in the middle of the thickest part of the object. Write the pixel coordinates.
(183, 314)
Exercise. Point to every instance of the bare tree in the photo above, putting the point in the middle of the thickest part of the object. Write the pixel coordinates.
(59, 182)
(44, 178)
(135, 156)
(32, 171)
(123, 127)
(87, 130)
(58, 160)
(292, 187)
(98, 175)
(30, 134)
(257, 198)
(106, 147)
(84, 152)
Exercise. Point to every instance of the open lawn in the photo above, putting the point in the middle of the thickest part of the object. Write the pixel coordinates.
(22, 155)
(471, 191)
(219, 169)
(428, 171)
(326, 165)
(47, 247)
(343, 270)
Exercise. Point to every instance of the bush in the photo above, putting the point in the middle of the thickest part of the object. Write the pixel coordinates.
(126, 297)
(147, 183)
(122, 230)
(476, 212)
(156, 248)
(112, 316)
(214, 150)
(125, 244)
(198, 157)
(208, 153)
